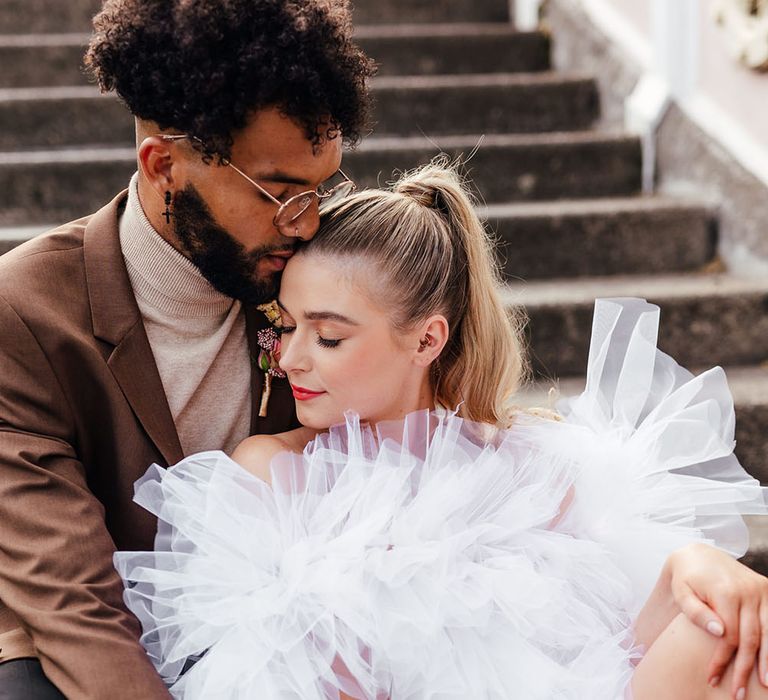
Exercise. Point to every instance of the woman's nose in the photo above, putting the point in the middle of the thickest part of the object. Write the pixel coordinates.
(292, 359)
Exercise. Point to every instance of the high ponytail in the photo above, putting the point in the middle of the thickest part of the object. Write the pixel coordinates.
(433, 255)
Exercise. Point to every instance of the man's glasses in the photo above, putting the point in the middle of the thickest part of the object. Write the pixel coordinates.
(288, 217)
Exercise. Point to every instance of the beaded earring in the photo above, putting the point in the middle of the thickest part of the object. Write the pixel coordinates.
(168, 213)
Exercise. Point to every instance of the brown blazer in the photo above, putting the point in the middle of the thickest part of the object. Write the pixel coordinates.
(82, 416)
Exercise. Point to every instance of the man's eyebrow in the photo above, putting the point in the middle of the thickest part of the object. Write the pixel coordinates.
(281, 177)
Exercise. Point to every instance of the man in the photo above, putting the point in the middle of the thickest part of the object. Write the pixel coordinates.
(131, 336)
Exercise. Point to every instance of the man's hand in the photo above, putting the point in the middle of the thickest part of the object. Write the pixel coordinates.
(728, 600)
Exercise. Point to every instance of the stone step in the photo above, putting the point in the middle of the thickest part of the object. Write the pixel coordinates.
(706, 319)
(44, 16)
(506, 168)
(757, 556)
(42, 60)
(749, 386)
(50, 117)
(442, 49)
(538, 240)
(487, 103)
(429, 11)
(45, 60)
(59, 185)
(593, 237)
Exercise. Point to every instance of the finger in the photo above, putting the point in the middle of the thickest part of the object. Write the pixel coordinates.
(763, 655)
(718, 663)
(728, 606)
(749, 644)
(698, 612)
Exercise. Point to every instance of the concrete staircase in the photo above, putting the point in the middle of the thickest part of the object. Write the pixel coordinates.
(563, 197)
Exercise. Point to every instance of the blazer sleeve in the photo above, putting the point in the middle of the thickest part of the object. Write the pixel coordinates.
(56, 571)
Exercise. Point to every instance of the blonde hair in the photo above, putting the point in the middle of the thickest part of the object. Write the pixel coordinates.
(432, 255)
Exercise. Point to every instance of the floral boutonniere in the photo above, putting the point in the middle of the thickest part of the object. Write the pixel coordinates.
(268, 340)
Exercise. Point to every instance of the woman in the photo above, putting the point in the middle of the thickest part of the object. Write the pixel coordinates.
(481, 553)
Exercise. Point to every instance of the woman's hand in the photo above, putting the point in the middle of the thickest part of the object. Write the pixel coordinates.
(728, 600)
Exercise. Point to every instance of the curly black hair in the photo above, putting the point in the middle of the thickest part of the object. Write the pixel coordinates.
(202, 66)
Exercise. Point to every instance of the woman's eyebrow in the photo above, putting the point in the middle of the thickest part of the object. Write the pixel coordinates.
(322, 315)
(329, 316)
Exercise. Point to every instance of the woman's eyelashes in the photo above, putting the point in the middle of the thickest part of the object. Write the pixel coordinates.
(320, 340)
(328, 342)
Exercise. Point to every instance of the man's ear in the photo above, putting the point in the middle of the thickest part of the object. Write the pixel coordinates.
(159, 166)
(431, 338)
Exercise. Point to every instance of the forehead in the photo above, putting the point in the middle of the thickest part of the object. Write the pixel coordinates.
(273, 142)
(320, 283)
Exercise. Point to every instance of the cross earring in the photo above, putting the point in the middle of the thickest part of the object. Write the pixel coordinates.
(168, 214)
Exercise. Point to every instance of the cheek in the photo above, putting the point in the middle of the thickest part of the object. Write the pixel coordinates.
(251, 230)
(246, 219)
(367, 378)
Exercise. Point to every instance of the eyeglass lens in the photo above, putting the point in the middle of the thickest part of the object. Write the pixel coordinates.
(296, 206)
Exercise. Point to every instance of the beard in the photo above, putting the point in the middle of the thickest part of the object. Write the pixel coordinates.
(223, 261)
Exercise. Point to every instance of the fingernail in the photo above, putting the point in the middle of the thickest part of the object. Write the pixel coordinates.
(741, 693)
(714, 627)
(714, 681)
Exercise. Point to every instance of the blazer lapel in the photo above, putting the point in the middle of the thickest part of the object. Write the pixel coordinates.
(117, 321)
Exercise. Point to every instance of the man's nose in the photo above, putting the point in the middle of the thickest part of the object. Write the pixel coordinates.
(308, 223)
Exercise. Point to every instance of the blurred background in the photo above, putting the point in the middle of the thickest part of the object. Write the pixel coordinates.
(619, 148)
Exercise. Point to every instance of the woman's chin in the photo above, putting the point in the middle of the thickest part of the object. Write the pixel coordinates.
(317, 420)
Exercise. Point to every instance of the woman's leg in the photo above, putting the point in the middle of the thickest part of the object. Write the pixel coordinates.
(675, 668)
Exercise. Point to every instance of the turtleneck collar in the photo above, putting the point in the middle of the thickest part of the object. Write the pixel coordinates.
(160, 275)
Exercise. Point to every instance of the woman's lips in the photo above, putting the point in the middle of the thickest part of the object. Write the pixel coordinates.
(302, 394)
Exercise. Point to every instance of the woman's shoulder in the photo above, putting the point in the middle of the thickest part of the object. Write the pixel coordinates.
(256, 452)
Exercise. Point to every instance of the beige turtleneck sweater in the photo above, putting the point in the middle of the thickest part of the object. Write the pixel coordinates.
(197, 336)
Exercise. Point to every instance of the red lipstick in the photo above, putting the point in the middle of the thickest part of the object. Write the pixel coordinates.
(302, 394)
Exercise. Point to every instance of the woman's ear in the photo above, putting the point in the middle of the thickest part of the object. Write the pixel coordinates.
(431, 338)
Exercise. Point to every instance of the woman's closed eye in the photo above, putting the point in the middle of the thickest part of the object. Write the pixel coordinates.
(320, 339)
(328, 342)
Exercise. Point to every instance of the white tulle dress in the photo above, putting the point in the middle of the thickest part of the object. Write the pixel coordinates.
(440, 559)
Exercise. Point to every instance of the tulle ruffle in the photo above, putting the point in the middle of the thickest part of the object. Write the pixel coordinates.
(435, 558)
(655, 445)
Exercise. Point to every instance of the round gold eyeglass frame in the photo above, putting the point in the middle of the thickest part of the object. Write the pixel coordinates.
(289, 212)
